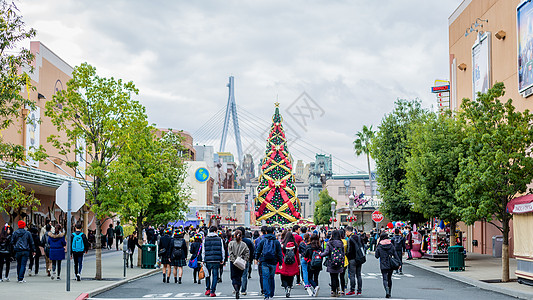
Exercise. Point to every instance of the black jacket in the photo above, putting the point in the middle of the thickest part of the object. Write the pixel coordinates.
(194, 248)
(132, 243)
(183, 247)
(354, 242)
(399, 243)
(251, 247)
(165, 242)
(85, 241)
(278, 254)
(22, 241)
(384, 251)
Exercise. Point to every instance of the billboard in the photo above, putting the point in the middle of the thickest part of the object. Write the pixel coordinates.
(481, 80)
(33, 123)
(524, 29)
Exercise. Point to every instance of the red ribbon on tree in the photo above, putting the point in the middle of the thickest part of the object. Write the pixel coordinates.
(273, 186)
(275, 150)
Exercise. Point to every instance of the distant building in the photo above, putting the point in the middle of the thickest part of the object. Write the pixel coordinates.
(319, 171)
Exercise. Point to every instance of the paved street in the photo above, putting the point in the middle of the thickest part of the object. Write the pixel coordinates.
(414, 284)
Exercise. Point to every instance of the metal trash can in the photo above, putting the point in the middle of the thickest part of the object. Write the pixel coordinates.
(148, 256)
(456, 258)
(497, 243)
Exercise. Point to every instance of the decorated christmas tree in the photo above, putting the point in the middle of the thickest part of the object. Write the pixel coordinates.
(277, 201)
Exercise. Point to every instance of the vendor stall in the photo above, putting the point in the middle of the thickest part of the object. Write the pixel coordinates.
(522, 210)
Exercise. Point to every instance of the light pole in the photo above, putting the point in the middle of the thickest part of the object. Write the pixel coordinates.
(333, 204)
(352, 199)
(229, 211)
(234, 214)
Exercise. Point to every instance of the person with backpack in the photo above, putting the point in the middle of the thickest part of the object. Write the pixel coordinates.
(57, 250)
(268, 252)
(291, 261)
(399, 246)
(387, 255)
(409, 243)
(335, 260)
(213, 255)
(196, 252)
(33, 269)
(314, 265)
(46, 246)
(110, 233)
(342, 275)
(23, 246)
(302, 248)
(165, 245)
(258, 240)
(119, 234)
(247, 271)
(356, 258)
(298, 238)
(237, 249)
(6, 250)
(179, 254)
(80, 246)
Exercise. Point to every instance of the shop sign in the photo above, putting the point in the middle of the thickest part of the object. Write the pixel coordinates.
(440, 88)
(524, 16)
(523, 208)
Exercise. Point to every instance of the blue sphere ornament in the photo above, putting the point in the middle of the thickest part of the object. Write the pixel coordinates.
(201, 174)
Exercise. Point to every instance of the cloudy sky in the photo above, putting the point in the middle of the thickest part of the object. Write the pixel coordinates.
(352, 59)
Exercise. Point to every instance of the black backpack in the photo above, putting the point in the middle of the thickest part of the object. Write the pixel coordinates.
(316, 261)
(290, 256)
(177, 250)
(360, 255)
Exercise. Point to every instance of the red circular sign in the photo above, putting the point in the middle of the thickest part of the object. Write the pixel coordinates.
(377, 216)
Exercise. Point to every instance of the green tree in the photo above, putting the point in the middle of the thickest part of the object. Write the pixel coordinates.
(100, 112)
(432, 167)
(14, 198)
(390, 150)
(497, 164)
(361, 145)
(323, 208)
(146, 183)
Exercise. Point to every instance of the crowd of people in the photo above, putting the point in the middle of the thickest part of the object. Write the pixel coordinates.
(296, 255)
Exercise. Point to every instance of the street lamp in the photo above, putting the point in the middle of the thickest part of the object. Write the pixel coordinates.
(333, 204)
(229, 211)
(352, 199)
(234, 214)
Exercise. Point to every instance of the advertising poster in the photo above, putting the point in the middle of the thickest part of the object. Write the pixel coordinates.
(481, 65)
(32, 134)
(80, 157)
(524, 19)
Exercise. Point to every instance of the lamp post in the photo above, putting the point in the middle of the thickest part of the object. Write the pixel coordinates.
(229, 211)
(333, 204)
(234, 214)
(352, 199)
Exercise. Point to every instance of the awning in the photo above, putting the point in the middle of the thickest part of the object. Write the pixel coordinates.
(521, 205)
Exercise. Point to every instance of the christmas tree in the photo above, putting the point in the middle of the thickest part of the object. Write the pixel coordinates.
(277, 201)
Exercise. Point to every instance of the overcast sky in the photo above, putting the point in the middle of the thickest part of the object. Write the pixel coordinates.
(353, 59)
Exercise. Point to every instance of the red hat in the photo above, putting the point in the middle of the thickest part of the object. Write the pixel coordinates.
(21, 224)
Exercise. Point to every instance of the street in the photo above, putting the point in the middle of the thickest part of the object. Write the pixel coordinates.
(414, 284)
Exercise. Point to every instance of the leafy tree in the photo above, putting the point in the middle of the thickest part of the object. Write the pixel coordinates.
(323, 208)
(361, 145)
(390, 150)
(432, 167)
(497, 164)
(100, 112)
(146, 183)
(14, 198)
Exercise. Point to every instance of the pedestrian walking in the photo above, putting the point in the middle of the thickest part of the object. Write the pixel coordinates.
(290, 264)
(247, 271)
(33, 269)
(257, 240)
(46, 246)
(110, 234)
(342, 275)
(409, 243)
(314, 263)
(268, 252)
(79, 246)
(165, 243)
(356, 258)
(302, 248)
(213, 254)
(384, 251)
(133, 241)
(335, 260)
(23, 247)
(151, 236)
(6, 250)
(57, 250)
(225, 236)
(298, 239)
(179, 254)
(239, 255)
(399, 246)
(119, 235)
(196, 251)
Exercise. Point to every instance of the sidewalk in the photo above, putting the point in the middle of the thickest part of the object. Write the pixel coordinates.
(42, 287)
(479, 269)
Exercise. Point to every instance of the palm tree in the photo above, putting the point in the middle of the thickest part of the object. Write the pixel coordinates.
(362, 145)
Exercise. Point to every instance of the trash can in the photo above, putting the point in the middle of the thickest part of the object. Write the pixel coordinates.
(497, 243)
(148, 256)
(456, 258)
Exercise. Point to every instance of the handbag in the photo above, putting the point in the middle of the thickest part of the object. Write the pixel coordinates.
(240, 263)
(201, 274)
(193, 262)
(205, 270)
(394, 262)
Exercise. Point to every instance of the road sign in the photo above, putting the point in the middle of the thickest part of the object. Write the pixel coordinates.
(377, 216)
(78, 196)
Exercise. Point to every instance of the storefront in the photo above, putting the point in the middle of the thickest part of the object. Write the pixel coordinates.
(522, 210)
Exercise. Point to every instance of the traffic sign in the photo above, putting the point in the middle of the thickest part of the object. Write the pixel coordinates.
(377, 216)
(77, 196)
